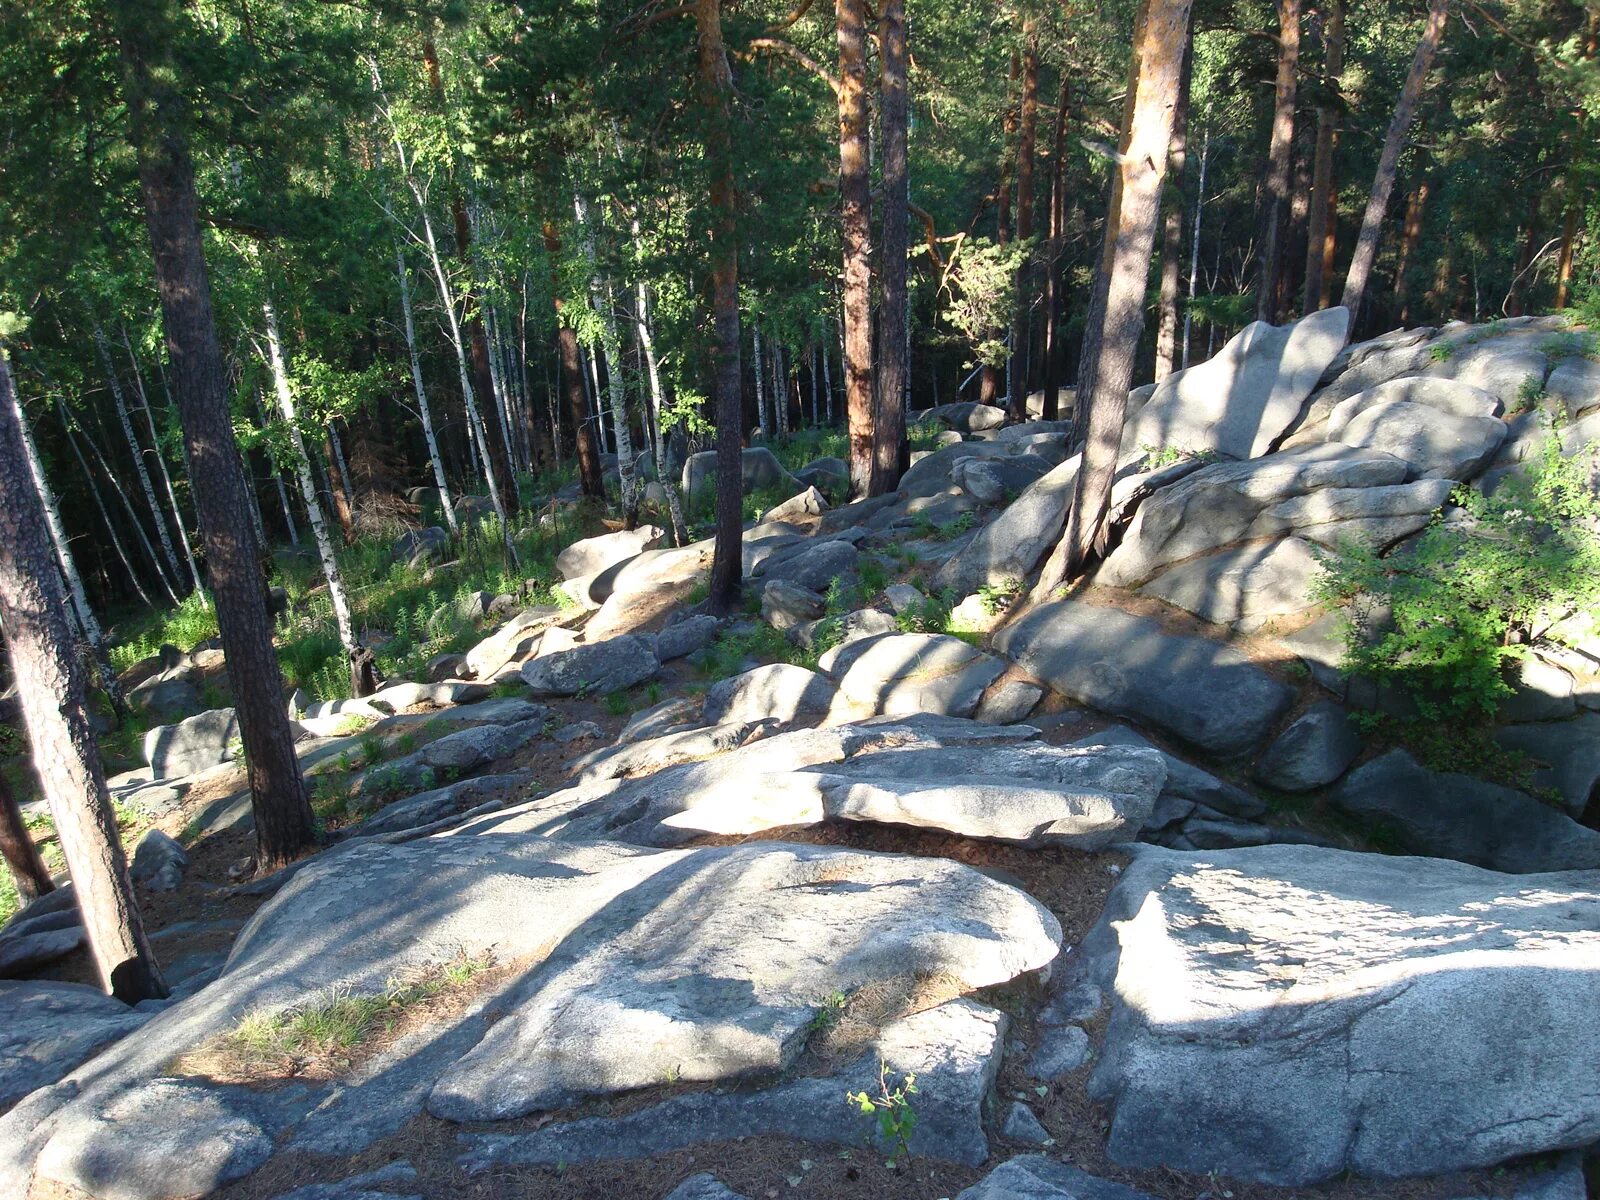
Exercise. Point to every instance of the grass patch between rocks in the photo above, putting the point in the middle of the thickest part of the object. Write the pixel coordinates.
(325, 1037)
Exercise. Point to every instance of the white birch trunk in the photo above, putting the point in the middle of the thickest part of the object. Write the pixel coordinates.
(105, 516)
(1194, 245)
(166, 476)
(669, 485)
(308, 487)
(423, 411)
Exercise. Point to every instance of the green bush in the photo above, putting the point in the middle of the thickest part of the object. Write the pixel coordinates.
(1469, 596)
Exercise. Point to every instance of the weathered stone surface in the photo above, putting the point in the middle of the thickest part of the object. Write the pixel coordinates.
(27, 949)
(964, 416)
(1376, 516)
(1009, 703)
(1541, 691)
(1242, 400)
(1505, 368)
(659, 718)
(906, 673)
(785, 605)
(597, 669)
(165, 699)
(400, 696)
(158, 861)
(1313, 751)
(379, 1184)
(1459, 817)
(52, 1027)
(420, 547)
(704, 1186)
(1248, 583)
(1565, 755)
(929, 474)
(1575, 384)
(167, 1137)
(1062, 1050)
(759, 468)
(777, 691)
(591, 555)
(814, 567)
(903, 597)
(1028, 793)
(1014, 543)
(192, 745)
(511, 643)
(685, 637)
(1023, 1128)
(1206, 694)
(997, 480)
(809, 503)
(428, 807)
(1186, 783)
(841, 631)
(830, 476)
(1035, 1177)
(954, 1051)
(1446, 395)
(1217, 504)
(1386, 1016)
(1434, 443)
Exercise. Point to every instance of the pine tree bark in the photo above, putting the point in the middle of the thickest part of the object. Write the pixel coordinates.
(283, 819)
(1405, 111)
(891, 450)
(1569, 236)
(1321, 233)
(1279, 154)
(1410, 235)
(1172, 226)
(855, 196)
(1163, 30)
(51, 683)
(590, 477)
(17, 848)
(715, 80)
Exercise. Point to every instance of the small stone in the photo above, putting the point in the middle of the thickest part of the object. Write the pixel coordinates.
(1022, 1127)
(1062, 1050)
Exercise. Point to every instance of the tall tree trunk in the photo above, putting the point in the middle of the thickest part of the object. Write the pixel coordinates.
(1194, 242)
(1172, 225)
(87, 621)
(424, 412)
(167, 565)
(17, 848)
(501, 478)
(338, 485)
(855, 196)
(1569, 236)
(360, 674)
(590, 477)
(100, 506)
(1322, 232)
(1158, 51)
(1410, 235)
(764, 416)
(1279, 155)
(1053, 341)
(647, 346)
(600, 296)
(51, 684)
(715, 86)
(1027, 142)
(166, 475)
(1405, 111)
(127, 507)
(284, 824)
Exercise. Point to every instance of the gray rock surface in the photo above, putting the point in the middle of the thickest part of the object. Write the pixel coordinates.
(591, 555)
(954, 1050)
(777, 691)
(1247, 584)
(997, 480)
(1023, 1128)
(1575, 385)
(759, 469)
(1009, 703)
(684, 637)
(1218, 504)
(1015, 542)
(904, 673)
(594, 670)
(1434, 443)
(1288, 1013)
(1565, 756)
(785, 605)
(812, 566)
(50, 1028)
(511, 643)
(192, 745)
(1313, 751)
(1062, 1050)
(809, 503)
(704, 1186)
(427, 807)
(165, 699)
(1208, 695)
(1239, 402)
(1460, 817)
(1186, 783)
(1376, 516)
(389, 1181)
(1035, 1177)
(1446, 395)
(964, 416)
(27, 950)
(841, 631)
(158, 861)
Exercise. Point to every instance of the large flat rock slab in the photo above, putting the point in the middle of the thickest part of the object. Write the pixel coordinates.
(1240, 402)
(50, 1028)
(953, 1050)
(905, 673)
(1198, 690)
(1245, 586)
(1288, 1013)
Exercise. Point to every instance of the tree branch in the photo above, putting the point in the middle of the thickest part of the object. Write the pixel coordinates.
(768, 45)
(792, 19)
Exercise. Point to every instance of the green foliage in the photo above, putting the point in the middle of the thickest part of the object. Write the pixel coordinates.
(619, 704)
(891, 1111)
(981, 295)
(996, 598)
(1442, 351)
(1465, 600)
(1529, 393)
(192, 622)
